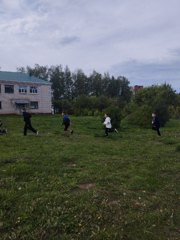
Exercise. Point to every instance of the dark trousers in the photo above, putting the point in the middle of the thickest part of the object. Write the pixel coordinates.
(107, 130)
(66, 125)
(156, 129)
(28, 126)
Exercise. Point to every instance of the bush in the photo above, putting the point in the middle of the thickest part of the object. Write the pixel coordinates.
(174, 112)
(141, 117)
(128, 109)
(162, 111)
(96, 113)
(159, 98)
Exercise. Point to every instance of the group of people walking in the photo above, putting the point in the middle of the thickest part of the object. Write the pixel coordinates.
(28, 126)
(66, 122)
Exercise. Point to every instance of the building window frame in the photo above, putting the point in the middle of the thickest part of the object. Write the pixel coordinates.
(9, 88)
(34, 105)
(33, 90)
(23, 89)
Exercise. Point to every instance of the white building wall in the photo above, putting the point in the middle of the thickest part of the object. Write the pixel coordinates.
(43, 97)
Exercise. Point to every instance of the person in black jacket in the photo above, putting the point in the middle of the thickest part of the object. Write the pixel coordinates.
(27, 123)
(155, 124)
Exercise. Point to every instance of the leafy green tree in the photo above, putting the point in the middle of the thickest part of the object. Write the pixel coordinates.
(113, 88)
(38, 71)
(82, 101)
(125, 93)
(57, 80)
(106, 78)
(68, 83)
(96, 80)
(102, 102)
(80, 86)
(154, 94)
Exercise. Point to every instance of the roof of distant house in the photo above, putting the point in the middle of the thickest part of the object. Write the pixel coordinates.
(137, 87)
(21, 78)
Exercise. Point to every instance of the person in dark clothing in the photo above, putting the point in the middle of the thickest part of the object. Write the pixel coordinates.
(66, 122)
(27, 123)
(2, 129)
(155, 124)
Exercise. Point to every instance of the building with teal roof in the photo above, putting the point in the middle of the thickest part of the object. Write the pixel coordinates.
(19, 90)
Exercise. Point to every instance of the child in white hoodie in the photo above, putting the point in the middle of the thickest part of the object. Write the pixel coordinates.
(107, 124)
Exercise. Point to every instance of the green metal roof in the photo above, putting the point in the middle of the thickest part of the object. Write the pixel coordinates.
(21, 78)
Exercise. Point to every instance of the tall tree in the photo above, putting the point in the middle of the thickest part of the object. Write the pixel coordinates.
(80, 81)
(125, 92)
(96, 79)
(38, 71)
(68, 83)
(57, 79)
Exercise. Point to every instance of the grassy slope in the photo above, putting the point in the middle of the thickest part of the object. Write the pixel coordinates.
(87, 186)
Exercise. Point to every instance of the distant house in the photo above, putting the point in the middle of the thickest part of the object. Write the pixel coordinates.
(18, 90)
(136, 88)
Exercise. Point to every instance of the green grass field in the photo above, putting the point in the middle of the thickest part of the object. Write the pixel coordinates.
(87, 186)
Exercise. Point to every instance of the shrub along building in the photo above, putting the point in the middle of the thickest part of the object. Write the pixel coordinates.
(18, 90)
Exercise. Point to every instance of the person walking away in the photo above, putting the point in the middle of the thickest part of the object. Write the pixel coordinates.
(107, 124)
(27, 123)
(66, 122)
(155, 124)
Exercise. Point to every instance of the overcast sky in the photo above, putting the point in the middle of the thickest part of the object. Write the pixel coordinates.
(139, 39)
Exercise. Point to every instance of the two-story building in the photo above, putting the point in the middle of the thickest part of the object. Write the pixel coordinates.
(18, 90)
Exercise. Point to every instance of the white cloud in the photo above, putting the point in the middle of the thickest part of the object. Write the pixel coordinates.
(147, 73)
(96, 34)
(10, 4)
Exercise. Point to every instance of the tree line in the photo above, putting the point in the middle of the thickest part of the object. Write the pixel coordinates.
(70, 85)
(94, 91)
(80, 94)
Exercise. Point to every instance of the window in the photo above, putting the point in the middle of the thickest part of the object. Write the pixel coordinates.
(33, 90)
(22, 89)
(0, 105)
(9, 88)
(34, 105)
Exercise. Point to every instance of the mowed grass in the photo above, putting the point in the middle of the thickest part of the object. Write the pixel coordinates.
(87, 186)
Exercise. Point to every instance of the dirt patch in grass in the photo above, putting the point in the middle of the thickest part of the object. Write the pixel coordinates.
(86, 186)
(113, 203)
(71, 165)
